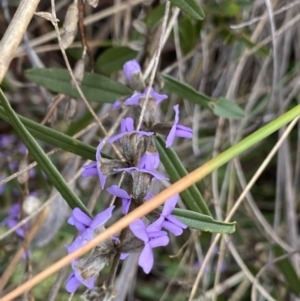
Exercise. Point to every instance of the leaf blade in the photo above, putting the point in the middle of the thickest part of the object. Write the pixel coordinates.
(191, 7)
(95, 87)
(176, 170)
(203, 222)
(186, 91)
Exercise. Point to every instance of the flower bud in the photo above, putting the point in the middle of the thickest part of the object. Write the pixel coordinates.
(133, 73)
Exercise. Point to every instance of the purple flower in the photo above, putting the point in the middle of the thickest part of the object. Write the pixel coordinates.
(72, 283)
(156, 175)
(90, 170)
(178, 130)
(130, 68)
(79, 219)
(93, 168)
(87, 226)
(13, 219)
(167, 220)
(151, 240)
(74, 280)
(116, 104)
(134, 100)
(127, 127)
(149, 161)
(122, 194)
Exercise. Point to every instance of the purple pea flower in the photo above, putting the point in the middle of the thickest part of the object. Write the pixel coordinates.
(127, 127)
(93, 168)
(79, 219)
(134, 100)
(87, 226)
(178, 130)
(122, 194)
(151, 240)
(130, 68)
(167, 220)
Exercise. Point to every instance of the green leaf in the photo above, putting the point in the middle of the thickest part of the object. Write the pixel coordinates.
(191, 7)
(188, 34)
(227, 108)
(186, 91)
(176, 170)
(286, 268)
(39, 156)
(153, 18)
(203, 222)
(95, 87)
(113, 59)
(56, 138)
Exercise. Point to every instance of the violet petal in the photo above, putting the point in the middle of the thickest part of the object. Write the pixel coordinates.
(146, 259)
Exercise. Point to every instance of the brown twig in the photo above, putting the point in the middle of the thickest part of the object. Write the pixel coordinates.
(82, 33)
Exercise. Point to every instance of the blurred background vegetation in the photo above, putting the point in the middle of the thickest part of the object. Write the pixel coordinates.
(240, 51)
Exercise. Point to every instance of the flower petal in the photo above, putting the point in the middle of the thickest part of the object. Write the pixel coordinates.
(176, 230)
(72, 283)
(89, 170)
(102, 217)
(119, 192)
(146, 259)
(138, 228)
(170, 205)
(159, 241)
(158, 97)
(176, 221)
(125, 205)
(134, 100)
(80, 216)
(130, 68)
(157, 225)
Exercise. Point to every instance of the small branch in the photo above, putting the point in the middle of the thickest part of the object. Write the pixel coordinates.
(15, 33)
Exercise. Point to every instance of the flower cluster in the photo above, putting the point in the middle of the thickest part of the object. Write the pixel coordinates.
(139, 164)
(86, 270)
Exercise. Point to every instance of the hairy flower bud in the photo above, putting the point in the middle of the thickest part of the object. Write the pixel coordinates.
(133, 74)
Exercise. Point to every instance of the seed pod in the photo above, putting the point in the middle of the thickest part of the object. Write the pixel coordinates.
(79, 70)
(70, 109)
(23, 178)
(70, 26)
(92, 3)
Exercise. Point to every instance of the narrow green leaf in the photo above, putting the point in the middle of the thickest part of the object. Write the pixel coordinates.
(188, 34)
(286, 268)
(227, 108)
(203, 222)
(186, 91)
(55, 138)
(39, 156)
(95, 87)
(176, 170)
(191, 7)
(113, 59)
